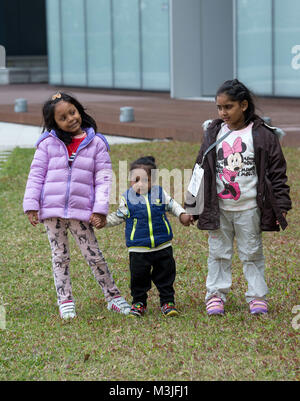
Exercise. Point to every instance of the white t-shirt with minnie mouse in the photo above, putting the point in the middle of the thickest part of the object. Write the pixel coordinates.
(235, 170)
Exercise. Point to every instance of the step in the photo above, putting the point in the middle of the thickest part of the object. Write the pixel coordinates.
(22, 75)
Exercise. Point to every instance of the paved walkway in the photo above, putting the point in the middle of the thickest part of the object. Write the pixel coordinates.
(25, 136)
(156, 114)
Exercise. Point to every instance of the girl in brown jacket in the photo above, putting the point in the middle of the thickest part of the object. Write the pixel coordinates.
(246, 192)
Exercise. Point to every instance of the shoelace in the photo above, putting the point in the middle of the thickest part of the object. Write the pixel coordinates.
(120, 303)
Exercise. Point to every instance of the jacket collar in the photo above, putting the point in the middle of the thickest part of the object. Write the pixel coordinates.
(90, 134)
(153, 193)
(215, 125)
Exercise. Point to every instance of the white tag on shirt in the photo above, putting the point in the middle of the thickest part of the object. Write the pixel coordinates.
(196, 179)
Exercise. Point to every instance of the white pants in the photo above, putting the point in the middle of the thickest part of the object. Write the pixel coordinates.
(245, 227)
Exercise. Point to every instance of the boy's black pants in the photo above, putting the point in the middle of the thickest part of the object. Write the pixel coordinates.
(162, 274)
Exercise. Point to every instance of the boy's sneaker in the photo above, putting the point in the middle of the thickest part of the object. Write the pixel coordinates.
(168, 309)
(137, 309)
(258, 307)
(67, 310)
(215, 306)
(119, 305)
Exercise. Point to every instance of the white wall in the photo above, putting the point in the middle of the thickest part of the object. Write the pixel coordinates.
(185, 70)
(201, 46)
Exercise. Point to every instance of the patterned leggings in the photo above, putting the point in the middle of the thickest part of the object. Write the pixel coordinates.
(57, 230)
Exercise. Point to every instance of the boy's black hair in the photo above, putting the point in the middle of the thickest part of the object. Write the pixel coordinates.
(237, 91)
(145, 161)
(49, 121)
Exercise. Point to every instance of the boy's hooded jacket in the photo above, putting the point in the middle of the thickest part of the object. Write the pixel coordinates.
(272, 189)
(56, 189)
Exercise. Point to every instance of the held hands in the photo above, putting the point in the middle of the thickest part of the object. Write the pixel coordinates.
(186, 219)
(33, 217)
(98, 220)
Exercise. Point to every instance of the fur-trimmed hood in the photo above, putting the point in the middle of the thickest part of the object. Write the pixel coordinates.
(259, 121)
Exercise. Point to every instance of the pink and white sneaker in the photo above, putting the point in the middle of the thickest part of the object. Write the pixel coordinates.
(258, 307)
(215, 306)
(119, 305)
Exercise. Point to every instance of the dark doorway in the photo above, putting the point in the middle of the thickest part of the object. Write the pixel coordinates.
(23, 27)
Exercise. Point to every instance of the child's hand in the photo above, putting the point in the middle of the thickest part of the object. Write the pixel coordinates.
(186, 219)
(98, 220)
(284, 215)
(33, 217)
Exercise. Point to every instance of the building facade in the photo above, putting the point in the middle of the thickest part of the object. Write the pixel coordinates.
(109, 43)
(187, 47)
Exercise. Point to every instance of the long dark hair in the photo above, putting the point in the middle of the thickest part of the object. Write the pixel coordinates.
(50, 123)
(237, 91)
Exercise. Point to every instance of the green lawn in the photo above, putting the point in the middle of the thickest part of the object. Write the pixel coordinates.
(100, 345)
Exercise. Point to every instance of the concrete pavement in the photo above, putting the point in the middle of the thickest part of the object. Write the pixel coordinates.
(25, 136)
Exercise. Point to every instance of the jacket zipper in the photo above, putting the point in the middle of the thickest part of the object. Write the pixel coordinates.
(167, 225)
(133, 229)
(69, 176)
(70, 170)
(68, 193)
(150, 222)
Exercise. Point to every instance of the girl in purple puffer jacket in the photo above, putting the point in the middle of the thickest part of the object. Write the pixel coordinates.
(68, 188)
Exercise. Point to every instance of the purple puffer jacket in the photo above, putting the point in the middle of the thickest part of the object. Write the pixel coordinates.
(57, 190)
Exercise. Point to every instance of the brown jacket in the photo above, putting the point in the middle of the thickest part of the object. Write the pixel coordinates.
(272, 189)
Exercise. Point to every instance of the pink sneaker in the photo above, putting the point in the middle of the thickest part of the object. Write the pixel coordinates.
(258, 307)
(215, 306)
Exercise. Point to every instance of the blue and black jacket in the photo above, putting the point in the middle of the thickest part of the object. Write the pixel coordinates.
(147, 225)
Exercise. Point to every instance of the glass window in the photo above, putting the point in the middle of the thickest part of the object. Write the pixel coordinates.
(287, 37)
(126, 44)
(254, 44)
(73, 42)
(99, 43)
(155, 44)
(109, 43)
(53, 40)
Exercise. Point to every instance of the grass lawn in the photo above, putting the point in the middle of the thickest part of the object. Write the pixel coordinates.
(100, 345)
